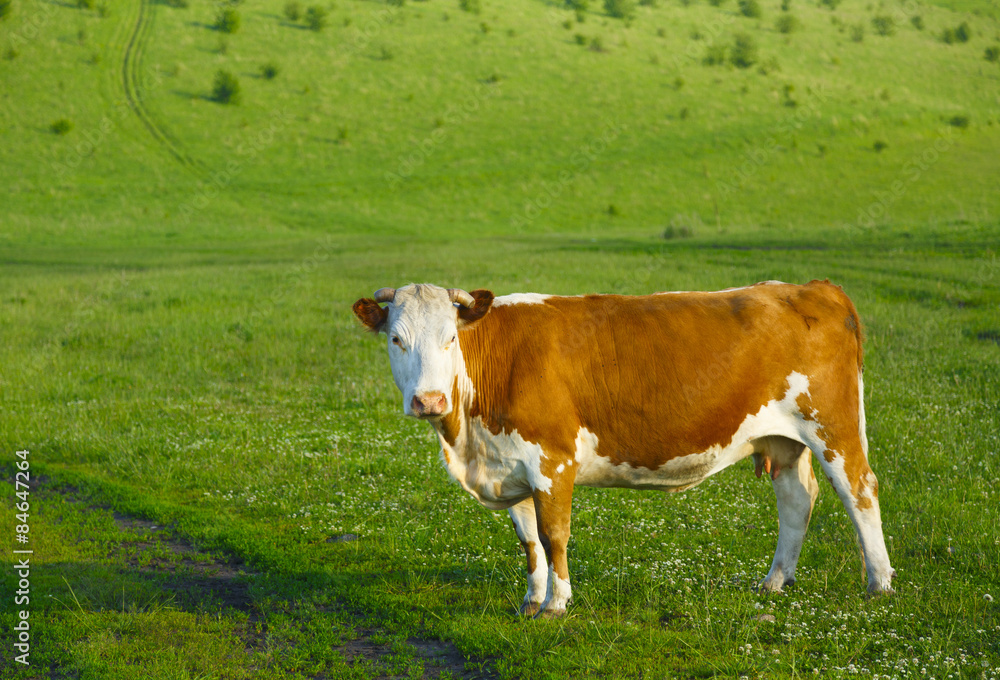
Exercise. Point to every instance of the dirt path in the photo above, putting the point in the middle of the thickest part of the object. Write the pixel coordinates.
(132, 82)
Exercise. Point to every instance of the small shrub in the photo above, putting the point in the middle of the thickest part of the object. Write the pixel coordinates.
(917, 21)
(716, 3)
(269, 71)
(293, 11)
(86, 4)
(744, 51)
(5, 7)
(613, 210)
(178, 4)
(858, 32)
(959, 34)
(682, 226)
(578, 5)
(750, 8)
(620, 9)
(714, 55)
(385, 53)
(580, 38)
(879, 146)
(484, 27)
(11, 54)
(678, 83)
(226, 89)
(471, 6)
(316, 18)
(786, 5)
(228, 20)
(649, 3)
(883, 24)
(786, 23)
(992, 54)
(961, 122)
(661, 33)
(830, 4)
(223, 46)
(61, 126)
(596, 44)
(343, 134)
(395, 3)
(684, 113)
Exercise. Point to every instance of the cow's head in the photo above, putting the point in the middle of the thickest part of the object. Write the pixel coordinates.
(422, 323)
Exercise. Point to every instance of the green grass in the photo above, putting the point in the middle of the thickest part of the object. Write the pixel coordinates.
(177, 342)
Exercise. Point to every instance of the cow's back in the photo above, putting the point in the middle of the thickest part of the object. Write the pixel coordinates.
(654, 377)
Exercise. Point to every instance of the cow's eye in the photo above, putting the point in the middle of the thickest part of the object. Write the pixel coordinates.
(396, 342)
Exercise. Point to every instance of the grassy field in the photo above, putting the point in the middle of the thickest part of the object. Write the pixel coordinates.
(223, 485)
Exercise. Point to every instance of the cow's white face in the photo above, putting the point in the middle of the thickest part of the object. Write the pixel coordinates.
(421, 323)
(422, 336)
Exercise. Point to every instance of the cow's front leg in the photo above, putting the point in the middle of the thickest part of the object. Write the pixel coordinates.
(552, 510)
(523, 516)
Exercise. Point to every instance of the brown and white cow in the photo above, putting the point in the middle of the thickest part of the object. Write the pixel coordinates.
(532, 394)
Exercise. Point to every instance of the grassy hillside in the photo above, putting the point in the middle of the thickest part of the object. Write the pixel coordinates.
(425, 118)
(222, 483)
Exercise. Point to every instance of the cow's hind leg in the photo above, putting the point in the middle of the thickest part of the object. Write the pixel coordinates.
(847, 469)
(796, 489)
(526, 526)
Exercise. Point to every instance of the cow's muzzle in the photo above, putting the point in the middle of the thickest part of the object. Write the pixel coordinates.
(428, 404)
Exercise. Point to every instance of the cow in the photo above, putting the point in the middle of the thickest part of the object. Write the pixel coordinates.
(531, 395)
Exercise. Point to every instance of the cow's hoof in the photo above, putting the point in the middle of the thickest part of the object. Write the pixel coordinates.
(881, 586)
(530, 608)
(773, 586)
(551, 614)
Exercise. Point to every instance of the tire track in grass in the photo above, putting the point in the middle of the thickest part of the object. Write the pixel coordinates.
(130, 77)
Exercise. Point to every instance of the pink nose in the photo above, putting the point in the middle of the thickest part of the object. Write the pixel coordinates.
(428, 404)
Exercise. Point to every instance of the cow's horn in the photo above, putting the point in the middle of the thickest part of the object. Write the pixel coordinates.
(461, 297)
(385, 294)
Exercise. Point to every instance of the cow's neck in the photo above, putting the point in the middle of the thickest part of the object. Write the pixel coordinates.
(471, 458)
(453, 430)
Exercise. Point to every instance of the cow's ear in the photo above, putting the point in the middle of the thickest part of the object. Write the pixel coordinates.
(371, 314)
(468, 316)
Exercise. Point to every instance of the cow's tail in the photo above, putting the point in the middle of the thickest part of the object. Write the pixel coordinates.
(854, 322)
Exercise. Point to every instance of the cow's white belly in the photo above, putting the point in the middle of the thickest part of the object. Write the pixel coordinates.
(775, 418)
(676, 474)
(500, 470)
